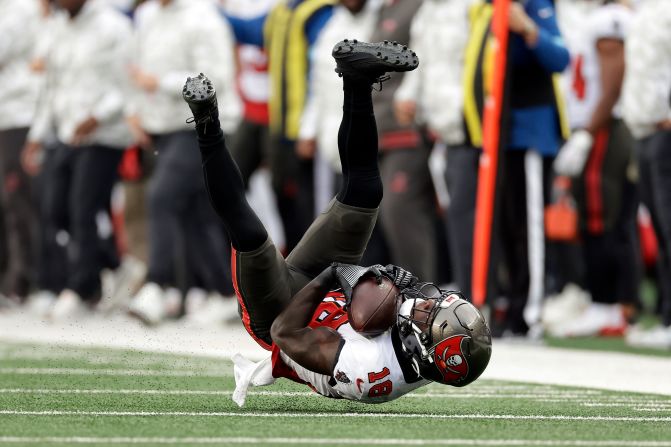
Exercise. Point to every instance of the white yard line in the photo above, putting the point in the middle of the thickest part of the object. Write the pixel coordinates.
(224, 414)
(326, 441)
(641, 403)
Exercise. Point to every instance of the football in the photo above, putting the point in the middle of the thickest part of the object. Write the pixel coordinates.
(374, 306)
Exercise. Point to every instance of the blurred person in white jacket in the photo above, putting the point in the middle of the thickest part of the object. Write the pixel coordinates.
(174, 39)
(352, 19)
(83, 102)
(433, 95)
(19, 26)
(51, 271)
(645, 101)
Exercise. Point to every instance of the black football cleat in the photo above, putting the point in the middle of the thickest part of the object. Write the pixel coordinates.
(371, 61)
(200, 95)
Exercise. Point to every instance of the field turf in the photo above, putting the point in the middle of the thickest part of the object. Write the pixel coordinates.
(72, 396)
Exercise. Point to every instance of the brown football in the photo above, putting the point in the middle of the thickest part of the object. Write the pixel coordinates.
(374, 306)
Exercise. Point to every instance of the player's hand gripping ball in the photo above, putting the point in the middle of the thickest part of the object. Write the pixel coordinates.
(374, 306)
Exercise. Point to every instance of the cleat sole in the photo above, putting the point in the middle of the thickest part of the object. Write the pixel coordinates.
(201, 96)
(198, 90)
(373, 58)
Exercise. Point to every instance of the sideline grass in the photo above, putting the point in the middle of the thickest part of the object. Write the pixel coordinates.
(84, 409)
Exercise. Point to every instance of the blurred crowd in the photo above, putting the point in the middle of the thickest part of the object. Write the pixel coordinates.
(104, 207)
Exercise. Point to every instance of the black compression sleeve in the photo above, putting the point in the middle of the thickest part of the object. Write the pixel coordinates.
(357, 145)
(227, 193)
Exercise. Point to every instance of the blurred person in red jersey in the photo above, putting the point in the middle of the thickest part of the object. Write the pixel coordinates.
(599, 160)
(288, 33)
(250, 144)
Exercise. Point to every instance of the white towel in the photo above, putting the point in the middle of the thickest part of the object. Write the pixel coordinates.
(250, 373)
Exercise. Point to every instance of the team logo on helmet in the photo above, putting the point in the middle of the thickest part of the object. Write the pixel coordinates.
(450, 360)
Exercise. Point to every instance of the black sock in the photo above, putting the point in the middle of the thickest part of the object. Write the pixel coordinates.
(227, 191)
(358, 145)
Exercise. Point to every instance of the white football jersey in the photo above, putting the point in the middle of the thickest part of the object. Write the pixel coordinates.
(367, 369)
(584, 79)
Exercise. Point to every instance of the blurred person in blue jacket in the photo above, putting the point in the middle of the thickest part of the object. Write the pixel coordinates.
(533, 129)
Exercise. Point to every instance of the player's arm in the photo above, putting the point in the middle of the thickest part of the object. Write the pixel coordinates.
(611, 62)
(313, 348)
(536, 23)
(575, 152)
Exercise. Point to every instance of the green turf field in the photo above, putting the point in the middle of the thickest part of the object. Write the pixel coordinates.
(68, 396)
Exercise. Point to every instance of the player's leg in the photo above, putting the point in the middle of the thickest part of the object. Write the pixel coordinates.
(342, 231)
(260, 274)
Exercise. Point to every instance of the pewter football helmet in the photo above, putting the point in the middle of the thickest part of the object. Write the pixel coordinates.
(447, 339)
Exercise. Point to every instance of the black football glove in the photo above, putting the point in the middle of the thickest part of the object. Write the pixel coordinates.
(400, 276)
(349, 275)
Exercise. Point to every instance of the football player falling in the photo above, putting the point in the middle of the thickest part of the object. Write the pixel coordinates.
(295, 307)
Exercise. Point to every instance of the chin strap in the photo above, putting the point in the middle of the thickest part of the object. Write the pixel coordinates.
(408, 328)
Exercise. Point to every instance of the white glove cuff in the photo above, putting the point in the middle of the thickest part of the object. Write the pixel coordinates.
(582, 139)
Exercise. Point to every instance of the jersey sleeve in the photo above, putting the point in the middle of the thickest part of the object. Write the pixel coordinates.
(610, 23)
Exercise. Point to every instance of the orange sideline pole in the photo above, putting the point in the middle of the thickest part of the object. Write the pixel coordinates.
(491, 128)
